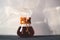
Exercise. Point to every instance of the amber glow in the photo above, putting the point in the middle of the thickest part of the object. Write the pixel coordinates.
(25, 20)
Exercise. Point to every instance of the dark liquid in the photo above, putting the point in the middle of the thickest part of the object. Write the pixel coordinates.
(25, 31)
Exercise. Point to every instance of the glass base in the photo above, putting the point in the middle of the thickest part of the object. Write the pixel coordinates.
(25, 31)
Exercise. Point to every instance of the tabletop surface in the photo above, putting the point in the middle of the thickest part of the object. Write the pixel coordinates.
(44, 37)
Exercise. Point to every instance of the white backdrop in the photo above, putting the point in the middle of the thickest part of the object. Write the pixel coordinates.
(45, 16)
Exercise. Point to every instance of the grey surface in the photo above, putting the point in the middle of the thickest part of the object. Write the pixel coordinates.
(46, 37)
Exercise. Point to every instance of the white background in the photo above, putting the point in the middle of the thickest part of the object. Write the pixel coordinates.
(45, 16)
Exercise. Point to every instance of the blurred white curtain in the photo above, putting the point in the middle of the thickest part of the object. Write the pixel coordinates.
(9, 14)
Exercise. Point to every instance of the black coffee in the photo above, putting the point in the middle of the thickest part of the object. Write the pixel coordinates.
(25, 31)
